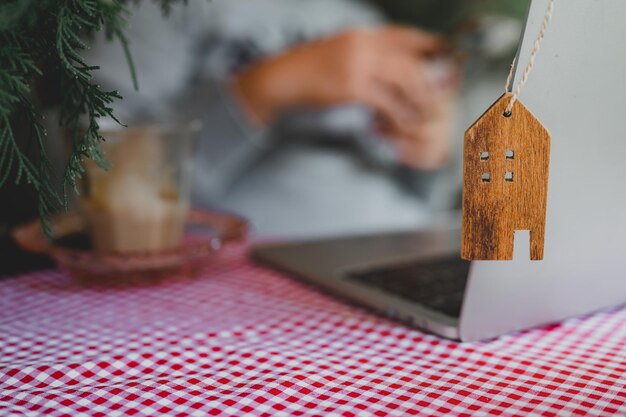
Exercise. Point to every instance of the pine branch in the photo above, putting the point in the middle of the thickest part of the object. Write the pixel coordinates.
(55, 32)
(81, 96)
(131, 65)
(12, 13)
(14, 90)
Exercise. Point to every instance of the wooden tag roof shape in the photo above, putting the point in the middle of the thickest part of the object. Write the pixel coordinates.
(505, 182)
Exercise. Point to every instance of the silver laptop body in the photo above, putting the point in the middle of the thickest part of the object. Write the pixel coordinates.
(576, 89)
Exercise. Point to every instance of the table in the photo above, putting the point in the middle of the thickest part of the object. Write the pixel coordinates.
(242, 340)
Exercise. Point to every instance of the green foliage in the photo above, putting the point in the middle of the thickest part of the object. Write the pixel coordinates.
(40, 44)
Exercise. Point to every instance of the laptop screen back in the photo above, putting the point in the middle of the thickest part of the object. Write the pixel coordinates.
(576, 90)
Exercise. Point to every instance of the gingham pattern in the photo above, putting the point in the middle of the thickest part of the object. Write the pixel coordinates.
(241, 340)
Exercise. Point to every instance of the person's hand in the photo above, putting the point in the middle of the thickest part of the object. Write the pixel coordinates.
(384, 68)
(425, 143)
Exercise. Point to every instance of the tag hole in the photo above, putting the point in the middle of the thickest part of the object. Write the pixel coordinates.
(486, 177)
(507, 114)
(484, 156)
(509, 154)
(508, 176)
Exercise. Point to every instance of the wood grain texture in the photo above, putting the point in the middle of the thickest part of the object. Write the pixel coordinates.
(505, 183)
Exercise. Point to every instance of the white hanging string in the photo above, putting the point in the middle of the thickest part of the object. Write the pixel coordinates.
(531, 61)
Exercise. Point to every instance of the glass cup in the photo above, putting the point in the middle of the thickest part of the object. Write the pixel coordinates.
(140, 203)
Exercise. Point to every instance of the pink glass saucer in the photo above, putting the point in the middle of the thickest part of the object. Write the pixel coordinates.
(206, 232)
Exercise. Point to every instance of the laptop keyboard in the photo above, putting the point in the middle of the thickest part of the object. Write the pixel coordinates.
(438, 284)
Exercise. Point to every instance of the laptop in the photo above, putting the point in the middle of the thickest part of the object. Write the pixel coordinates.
(418, 278)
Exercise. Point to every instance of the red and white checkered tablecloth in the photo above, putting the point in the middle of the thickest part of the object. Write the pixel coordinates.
(242, 340)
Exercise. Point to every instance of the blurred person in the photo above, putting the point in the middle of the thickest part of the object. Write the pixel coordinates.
(318, 116)
(383, 68)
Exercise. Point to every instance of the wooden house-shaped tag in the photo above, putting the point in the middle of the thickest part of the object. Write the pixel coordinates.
(505, 182)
